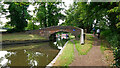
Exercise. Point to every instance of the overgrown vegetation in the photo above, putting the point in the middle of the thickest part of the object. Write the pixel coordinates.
(107, 51)
(67, 55)
(114, 39)
(83, 49)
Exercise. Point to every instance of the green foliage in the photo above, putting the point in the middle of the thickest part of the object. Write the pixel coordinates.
(114, 39)
(117, 57)
(105, 33)
(2, 10)
(49, 14)
(102, 47)
(118, 25)
(72, 18)
(111, 37)
(79, 36)
(1, 23)
(83, 15)
(32, 26)
(116, 10)
(18, 15)
(41, 14)
(8, 26)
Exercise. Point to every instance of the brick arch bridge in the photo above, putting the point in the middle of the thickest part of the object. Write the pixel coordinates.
(47, 32)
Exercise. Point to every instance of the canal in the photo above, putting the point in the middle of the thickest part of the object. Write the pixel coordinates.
(32, 54)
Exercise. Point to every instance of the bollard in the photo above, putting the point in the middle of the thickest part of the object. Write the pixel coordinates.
(82, 38)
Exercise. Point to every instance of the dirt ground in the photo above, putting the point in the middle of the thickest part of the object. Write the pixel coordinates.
(93, 58)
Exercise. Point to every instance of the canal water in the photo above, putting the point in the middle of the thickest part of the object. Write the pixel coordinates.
(33, 54)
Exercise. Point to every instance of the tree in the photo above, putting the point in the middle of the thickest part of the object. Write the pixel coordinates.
(1, 11)
(18, 15)
(41, 14)
(78, 15)
(85, 14)
(0, 23)
(49, 14)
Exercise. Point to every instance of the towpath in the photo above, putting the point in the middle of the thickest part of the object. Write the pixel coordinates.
(93, 58)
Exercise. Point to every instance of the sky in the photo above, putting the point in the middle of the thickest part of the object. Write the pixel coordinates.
(31, 8)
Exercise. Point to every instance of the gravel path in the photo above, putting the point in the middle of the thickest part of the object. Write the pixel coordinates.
(93, 58)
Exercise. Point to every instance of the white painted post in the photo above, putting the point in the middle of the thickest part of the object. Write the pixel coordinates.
(82, 37)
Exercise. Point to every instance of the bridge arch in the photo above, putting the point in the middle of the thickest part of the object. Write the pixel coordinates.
(54, 33)
(52, 36)
(46, 32)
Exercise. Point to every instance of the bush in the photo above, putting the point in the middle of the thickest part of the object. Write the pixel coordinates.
(117, 57)
(10, 30)
(79, 36)
(114, 39)
(105, 33)
(31, 26)
(14, 30)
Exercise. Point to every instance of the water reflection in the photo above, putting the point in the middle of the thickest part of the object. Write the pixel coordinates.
(31, 54)
(60, 41)
(40, 56)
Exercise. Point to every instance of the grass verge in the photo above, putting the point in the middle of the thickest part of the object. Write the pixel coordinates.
(104, 45)
(67, 55)
(20, 36)
(83, 49)
(71, 37)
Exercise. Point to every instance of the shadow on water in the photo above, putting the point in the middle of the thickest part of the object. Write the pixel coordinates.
(38, 54)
